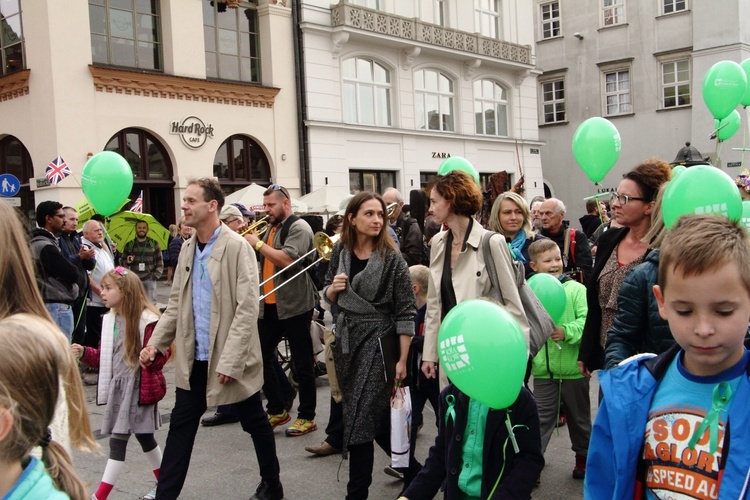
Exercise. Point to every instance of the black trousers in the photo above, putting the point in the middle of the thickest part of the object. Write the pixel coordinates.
(297, 331)
(79, 320)
(94, 326)
(188, 409)
(361, 461)
(335, 427)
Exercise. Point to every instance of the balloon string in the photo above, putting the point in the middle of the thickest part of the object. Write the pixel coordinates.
(744, 136)
(511, 437)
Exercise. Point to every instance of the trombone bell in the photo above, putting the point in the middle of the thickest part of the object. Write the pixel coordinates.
(390, 209)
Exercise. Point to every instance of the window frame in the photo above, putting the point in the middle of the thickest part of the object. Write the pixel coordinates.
(482, 12)
(379, 109)
(419, 97)
(550, 21)
(20, 43)
(674, 60)
(675, 10)
(441, 10)
(157, 41)
(214, 72)
(616, 68)
(234, 182)
(614, 5)
(376, 181)
(553, 79)
(495, 102)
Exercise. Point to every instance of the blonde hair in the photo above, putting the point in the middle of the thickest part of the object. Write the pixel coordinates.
(134, 302)
(701, 243)
(521, 203)
(17, 274)
(420, 276)
(31, 364)
(538, 247)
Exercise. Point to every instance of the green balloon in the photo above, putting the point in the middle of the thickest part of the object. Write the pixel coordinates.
(728, 126)
(596, 147)
(458, 163)
(746, 214)
(745, 101)
(551, 294)
(677, 170)
(483, 352)
(106, 181)
(701, 189)
(723, 87)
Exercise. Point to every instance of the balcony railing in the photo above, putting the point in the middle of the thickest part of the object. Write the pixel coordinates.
(354, 16)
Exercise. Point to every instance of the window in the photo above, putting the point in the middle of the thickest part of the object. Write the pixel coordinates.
(553, 101)
(370, 4)
(240, 161)
(367, 92)
(675, 81)
(232, 42)
(434, 101)
(487, 17)
(614, 12)
(152, 171)
(375, 181)
(671, 6)
(15, 160)
(441, 12)
(550, 15)
(126, 33)
(490, 108)
(617, 92)
(11, 41)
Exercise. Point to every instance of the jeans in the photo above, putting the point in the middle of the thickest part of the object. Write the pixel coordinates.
(150, 287)
(62, 315)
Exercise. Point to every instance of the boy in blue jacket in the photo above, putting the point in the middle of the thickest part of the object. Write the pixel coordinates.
(677, 425)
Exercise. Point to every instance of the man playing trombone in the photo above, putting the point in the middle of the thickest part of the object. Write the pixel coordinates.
(286, 311)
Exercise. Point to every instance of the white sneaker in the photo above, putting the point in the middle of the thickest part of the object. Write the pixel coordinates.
(151, 495)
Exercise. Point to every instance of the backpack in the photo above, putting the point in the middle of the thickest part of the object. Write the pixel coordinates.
(541, 326)
(311, 271)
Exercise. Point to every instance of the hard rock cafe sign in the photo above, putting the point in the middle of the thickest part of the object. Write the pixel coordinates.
(192, 131)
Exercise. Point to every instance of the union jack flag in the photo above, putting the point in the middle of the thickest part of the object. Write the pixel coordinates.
(138, 205)
(57, 170)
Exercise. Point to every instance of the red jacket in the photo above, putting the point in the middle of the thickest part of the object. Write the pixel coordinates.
(153, 386)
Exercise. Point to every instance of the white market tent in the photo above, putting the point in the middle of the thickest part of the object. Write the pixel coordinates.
(325, 200)
(252, 197)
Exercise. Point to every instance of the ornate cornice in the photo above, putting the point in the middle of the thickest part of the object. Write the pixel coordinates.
(14, 85)
(119, 81)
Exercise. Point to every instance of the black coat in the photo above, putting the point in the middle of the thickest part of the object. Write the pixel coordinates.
(638, 326)
(581, 259)
(443, 466)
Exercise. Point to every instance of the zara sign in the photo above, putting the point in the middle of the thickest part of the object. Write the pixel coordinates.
(192, 131)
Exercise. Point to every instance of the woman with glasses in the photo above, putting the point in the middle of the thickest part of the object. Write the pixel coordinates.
(619, 251)
(369, 281)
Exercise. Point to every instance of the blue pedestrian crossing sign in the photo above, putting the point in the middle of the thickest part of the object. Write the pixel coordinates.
(9, 185)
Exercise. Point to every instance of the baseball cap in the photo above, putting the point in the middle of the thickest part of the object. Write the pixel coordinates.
(229, 211)
(243, 210)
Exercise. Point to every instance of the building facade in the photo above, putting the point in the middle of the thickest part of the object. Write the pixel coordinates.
(180, 88)
(394, 87)
(640, 64)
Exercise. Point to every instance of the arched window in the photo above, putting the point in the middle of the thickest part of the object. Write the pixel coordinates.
(240, 161)
(15, 160)
(11, 37)
(434, 100)
(232, 41)
(367, 92)
(152, 171)
(126, 33)
(490, 108)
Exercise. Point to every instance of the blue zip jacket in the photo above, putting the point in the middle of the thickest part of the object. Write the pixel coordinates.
(628, 392)
(35, 484)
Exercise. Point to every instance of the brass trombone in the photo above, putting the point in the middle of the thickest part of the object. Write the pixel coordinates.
(322, 243)
(260, 226)
(390, 209)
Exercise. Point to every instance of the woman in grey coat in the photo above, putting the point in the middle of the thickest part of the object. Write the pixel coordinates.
(369, 281)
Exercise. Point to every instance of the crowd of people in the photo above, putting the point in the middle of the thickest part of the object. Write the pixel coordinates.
(663, 315)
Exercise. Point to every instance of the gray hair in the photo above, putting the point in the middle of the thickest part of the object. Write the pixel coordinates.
(559, 204)
(87, 225)
(396, 192)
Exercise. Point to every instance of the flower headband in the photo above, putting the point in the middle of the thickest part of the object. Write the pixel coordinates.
(743, 180)
(120, 270)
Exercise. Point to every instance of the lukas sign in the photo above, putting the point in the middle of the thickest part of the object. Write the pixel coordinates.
(192, 131)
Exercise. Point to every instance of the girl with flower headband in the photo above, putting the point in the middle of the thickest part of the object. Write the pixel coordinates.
(130, 393)
(31, 365)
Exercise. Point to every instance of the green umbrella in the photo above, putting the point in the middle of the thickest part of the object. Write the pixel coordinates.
(122, 228)
(86, 211)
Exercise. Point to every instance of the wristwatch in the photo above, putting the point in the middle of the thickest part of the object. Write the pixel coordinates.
(259, 245)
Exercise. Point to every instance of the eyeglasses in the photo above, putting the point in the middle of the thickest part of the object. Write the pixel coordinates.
(623, 199)
(283, 190)
(231, 221)
(60, 216)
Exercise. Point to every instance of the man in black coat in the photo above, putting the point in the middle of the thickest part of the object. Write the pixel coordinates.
(410, 239)
(82, 257)
(556, 228)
